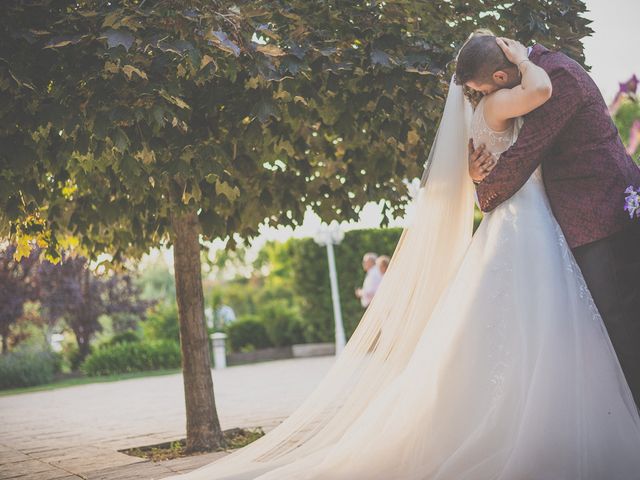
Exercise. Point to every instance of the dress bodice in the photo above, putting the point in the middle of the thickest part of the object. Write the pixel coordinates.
(496, 142)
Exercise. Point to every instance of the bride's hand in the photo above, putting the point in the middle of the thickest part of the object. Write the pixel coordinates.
(481, 162)
(513, 50)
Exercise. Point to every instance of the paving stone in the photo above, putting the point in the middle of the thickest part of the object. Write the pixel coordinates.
(186, 464)
(140, 470)
(12, 457)
(23, 468)
(50, 474)
(76, 432)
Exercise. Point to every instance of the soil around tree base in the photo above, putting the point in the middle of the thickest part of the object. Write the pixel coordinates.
(234, 437)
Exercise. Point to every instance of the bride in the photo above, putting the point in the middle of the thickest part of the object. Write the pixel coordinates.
(479, 358)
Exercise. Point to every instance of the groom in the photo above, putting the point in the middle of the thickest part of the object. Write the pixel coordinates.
(586, 170)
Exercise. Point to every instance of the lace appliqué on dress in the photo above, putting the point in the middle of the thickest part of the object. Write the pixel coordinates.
(574, 269)
(496, 142)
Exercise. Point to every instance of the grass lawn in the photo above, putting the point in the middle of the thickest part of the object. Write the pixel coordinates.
(70, 382)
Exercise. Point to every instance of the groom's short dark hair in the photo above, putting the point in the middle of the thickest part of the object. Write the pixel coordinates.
(479, 58)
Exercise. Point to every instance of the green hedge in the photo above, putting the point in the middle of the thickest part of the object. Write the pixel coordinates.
(247, 332)
(282, 322)
(27, 368)
(162, 322)
(311, 278)
(310, 273)
(71, 355)
(133, 357)
(125, 337)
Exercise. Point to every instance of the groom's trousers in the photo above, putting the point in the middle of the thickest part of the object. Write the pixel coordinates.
(611, 268)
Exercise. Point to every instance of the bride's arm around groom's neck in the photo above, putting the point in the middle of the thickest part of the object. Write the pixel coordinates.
(539, 132)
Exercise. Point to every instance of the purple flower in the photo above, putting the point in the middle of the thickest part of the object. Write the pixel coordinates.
(632, 201)
(630, 86)
(627, 89)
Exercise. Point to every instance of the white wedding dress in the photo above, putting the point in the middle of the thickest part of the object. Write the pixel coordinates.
(511, 377)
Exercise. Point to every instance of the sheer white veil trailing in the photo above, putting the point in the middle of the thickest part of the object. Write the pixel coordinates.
(426, 257)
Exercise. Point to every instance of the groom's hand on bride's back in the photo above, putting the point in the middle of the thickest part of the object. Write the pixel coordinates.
(481, 162)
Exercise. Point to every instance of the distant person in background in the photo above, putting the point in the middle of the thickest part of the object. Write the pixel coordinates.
(225, 315)
(371, 280)
(383, 263)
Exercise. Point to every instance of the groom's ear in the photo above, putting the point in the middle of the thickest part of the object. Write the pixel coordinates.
(500, 76)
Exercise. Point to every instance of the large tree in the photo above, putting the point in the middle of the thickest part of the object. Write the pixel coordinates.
(132, 124)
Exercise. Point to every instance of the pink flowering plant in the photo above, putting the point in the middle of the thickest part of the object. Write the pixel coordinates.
(632, 202)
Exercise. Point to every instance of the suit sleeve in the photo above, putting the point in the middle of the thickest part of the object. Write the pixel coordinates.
(540, 130)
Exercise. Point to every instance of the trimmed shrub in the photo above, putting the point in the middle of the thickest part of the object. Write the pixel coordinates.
(162, 322)
(133, 357)
(124, 337)
(57, 361)
(72, 356)
(27, 368)
(247, 332)
(282, 323)
(239, 293)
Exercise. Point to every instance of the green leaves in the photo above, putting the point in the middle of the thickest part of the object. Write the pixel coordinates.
(129, 70)
(177, 101)
(221, 40)
(63, 41)
(271, 50)
(101, 125)
(240, 113)
(379, 57)
(265, 109)
(224, 188)
(115, 38)
(120, 140)
(146, 155)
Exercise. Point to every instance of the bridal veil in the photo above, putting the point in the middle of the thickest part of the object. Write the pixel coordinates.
(426, 257)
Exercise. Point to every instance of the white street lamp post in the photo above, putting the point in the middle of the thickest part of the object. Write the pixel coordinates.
(330, 236)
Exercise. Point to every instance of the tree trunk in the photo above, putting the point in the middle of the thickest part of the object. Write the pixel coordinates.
(84, 347)
(203, 426)
(5, 343)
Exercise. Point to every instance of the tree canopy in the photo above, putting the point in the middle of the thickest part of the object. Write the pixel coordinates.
(114, 113)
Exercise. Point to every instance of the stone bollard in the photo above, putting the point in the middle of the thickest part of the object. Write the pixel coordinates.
(218, 347)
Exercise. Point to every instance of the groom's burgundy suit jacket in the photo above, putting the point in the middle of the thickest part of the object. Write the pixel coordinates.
(585, 166)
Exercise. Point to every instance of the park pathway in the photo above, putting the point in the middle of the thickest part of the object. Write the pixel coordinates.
(76, 432)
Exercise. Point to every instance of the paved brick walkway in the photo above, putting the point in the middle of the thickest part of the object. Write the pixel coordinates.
(76, 432)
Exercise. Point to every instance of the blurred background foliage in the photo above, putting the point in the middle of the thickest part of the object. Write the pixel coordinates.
(625, 110)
